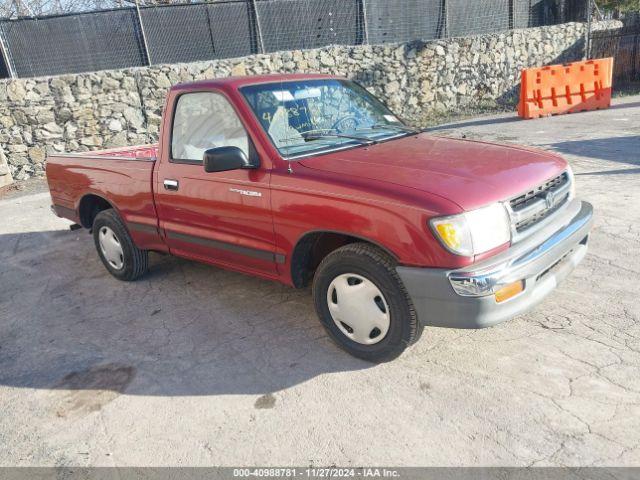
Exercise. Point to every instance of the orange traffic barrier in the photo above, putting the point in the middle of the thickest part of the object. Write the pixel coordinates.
(569, 88)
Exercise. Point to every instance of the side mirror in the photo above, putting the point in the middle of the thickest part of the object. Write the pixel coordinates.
(222, 159)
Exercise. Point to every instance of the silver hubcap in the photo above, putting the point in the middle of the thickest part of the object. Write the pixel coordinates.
(111, 248)
(358, 308)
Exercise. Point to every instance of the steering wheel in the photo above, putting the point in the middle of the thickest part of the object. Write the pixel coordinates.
(347, 123)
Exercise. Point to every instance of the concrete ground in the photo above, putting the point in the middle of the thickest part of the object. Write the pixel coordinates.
(198, 366)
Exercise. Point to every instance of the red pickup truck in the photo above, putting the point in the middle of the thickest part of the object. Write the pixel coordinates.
(310, 180)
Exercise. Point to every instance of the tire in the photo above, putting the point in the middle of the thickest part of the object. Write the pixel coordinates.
(121, 257)
(365, 268)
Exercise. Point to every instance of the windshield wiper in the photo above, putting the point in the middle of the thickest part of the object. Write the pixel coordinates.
(311, 135)
(404, 128)
(320, 134)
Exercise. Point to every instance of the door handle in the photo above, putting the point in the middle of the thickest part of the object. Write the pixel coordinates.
(171, 185)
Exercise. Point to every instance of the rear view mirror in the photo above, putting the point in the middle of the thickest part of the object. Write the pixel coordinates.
(222, 159)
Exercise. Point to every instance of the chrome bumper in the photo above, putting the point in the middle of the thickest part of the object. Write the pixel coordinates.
(465, 298)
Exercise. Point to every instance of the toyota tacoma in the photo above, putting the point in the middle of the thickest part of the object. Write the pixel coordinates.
(309, 180)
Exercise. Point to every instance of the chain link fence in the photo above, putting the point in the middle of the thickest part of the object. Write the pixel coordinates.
(137, 36)
(622, 43)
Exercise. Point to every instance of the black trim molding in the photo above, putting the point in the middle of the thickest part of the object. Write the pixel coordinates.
(230, 247)
(65, 212)
(142, 227)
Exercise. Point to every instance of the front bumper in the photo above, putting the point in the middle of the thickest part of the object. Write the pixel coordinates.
(450, 298)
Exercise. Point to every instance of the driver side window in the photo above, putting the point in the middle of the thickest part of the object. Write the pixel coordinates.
(205, 120)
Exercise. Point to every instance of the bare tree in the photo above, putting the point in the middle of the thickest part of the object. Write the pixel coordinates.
(619, 7)
(34, 8)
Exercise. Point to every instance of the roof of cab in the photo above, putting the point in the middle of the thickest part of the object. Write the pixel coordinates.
(238, 82)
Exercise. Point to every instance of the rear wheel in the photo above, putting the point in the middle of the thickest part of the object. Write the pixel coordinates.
(116, 249)
(363, 304)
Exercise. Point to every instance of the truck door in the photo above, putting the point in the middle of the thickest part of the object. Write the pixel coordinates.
(222, 218)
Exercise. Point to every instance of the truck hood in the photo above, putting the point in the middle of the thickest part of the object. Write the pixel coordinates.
(470, 173)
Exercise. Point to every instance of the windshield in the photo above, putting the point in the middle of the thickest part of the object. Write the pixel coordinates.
(312, 116)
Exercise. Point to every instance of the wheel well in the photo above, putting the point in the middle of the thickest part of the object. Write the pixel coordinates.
(90, 206)
(312, 248)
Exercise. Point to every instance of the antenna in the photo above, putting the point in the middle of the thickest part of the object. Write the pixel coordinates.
(286, 117)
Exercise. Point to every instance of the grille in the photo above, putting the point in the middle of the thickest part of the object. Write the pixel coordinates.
(533, 206)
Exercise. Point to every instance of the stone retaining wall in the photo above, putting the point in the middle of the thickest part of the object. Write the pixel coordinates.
(417, 80)
(5, 174)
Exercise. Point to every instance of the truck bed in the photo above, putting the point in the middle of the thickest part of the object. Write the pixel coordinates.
(122, 175)
(139, 152)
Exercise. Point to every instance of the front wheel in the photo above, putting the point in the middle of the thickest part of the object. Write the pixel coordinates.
(116, 249)
(363, 304)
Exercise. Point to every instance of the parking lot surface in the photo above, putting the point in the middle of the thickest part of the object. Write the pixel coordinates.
(195, 365)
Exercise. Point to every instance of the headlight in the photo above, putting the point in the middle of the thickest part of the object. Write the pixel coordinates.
(474, 232)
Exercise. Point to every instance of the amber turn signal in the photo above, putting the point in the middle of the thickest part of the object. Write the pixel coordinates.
(509, 291)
